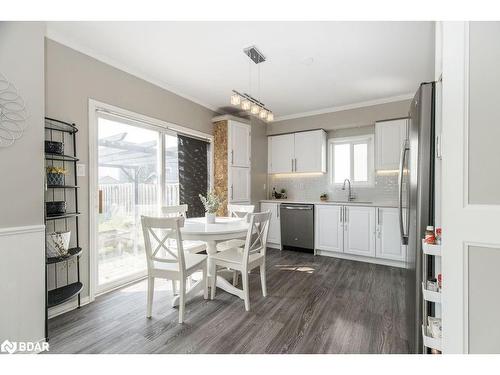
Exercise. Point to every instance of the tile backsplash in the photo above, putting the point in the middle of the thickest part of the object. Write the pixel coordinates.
(310, 187)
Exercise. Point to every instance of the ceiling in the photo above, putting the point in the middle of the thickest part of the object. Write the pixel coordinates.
(311, 67)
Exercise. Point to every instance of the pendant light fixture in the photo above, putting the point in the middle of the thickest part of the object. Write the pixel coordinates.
(247, 101)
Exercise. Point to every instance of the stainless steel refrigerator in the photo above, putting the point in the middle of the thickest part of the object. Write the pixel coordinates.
(416, 202)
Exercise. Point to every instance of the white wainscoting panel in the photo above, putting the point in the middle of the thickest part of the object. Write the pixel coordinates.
(22, 283)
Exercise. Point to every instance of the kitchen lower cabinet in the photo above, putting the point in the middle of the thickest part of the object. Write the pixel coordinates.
(274, 234)
(359, 230)
(329, 229)
(388, 242)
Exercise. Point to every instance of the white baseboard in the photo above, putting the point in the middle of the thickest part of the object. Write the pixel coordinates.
(67, 306)
(358, 258)
(274, 246)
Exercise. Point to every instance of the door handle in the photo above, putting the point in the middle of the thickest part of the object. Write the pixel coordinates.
(100, 206)
(404, 149)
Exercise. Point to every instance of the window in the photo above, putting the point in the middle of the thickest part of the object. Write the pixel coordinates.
(351, 158)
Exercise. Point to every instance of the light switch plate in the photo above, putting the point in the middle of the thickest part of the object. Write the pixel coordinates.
(80, 170)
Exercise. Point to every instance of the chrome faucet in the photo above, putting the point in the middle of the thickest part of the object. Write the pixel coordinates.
(350, 197)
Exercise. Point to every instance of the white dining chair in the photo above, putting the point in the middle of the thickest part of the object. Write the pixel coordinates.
(189, 246)
(252, 255)
(180, 210)
(167, 262)
(239, 211)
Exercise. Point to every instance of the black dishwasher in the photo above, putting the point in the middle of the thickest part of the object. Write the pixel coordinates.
(297, 226)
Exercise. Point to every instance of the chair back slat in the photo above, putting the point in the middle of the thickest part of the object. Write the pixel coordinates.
(256, 239)
(240, 210)
(162, 234)
(174, 211)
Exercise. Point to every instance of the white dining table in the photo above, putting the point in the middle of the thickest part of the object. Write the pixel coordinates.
(224, 228)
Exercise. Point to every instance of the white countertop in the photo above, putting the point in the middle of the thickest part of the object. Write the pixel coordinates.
(338, 203)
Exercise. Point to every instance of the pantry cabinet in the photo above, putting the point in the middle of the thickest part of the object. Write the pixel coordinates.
(388, 242)
(297, 152)
(389, 137)
(359, 230)
(274, 233)
(232, 161)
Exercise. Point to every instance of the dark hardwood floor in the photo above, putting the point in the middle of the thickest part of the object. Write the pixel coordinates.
(314, 305)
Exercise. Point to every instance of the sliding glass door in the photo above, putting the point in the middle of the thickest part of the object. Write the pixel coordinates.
(128, 187)
(141, 167)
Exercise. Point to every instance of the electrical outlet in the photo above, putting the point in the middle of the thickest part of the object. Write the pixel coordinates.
(80, 170)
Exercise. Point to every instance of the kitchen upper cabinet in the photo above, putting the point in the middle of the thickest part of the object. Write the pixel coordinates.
(281, 153)
(239, 185)
(389, 137)
(274, 234)
(239, 144)
(359, 230)
(388, 243)
(310, 151)
(297, 152)
(328, 228)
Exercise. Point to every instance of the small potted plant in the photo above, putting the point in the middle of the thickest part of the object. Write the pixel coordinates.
(55, 176)
(211, 204)
(323, 197)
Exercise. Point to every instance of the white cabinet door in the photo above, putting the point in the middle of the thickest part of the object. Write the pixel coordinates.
(388, 244)
(280, 153)
(389, 136)
(274, 234)
(239, 185)
(359, 230)
(239, 145)
(310, 151)
(328, 228)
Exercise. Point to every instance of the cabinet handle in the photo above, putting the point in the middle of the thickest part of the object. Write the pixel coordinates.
(100, 210)
(340, 215)
(295, 164)
(232, 157)
(231, 192)
(277, 210)
(292, 164)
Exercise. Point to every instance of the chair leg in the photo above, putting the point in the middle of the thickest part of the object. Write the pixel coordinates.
(235, 278)
(263, 279)
(174, 287)
(182, 299)
(151, 289)
(205, 282)
(246, 291)
(213, 281)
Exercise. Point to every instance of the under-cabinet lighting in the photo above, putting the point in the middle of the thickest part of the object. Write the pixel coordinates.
(387, 172)
(298, 174)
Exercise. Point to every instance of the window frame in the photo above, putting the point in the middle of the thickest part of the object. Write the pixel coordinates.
(362, 139)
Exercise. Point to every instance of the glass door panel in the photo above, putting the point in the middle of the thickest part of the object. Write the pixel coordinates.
(129, 186)
(171, 191)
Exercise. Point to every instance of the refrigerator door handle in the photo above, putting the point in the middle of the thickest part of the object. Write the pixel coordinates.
(404, 149)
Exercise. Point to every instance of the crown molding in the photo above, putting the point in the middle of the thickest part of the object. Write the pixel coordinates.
(58, 37)
(346, 107)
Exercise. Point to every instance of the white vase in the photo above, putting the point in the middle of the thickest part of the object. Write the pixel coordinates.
(210, 218)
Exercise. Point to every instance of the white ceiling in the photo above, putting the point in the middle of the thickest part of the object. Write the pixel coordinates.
(311, 66)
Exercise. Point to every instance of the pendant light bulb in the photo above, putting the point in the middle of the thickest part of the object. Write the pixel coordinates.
(255, 109)
(270, 117)
(246, 104)
(235, 99)
(263, 114)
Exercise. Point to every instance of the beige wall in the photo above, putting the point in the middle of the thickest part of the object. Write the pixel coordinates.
(22, 250)
(21, 165)
(71, 78)
(348, 118)
(259, 160)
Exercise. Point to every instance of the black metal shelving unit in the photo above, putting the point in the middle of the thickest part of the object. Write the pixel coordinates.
(63, 291)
